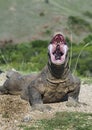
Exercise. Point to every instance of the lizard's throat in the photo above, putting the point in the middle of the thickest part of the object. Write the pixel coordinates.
(58, 71)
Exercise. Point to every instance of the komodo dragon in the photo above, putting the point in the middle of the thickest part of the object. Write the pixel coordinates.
(55, 82)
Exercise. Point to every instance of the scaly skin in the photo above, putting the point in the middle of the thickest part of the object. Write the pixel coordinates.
(16, 84)
(48, 89)
(55, 83)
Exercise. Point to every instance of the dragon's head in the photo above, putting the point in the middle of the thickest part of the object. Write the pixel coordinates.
(58, 49)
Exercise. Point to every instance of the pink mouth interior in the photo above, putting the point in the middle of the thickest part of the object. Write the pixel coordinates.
(58, 53)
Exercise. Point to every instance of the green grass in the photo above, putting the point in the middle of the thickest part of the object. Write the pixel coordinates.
(64, 121)
(87, 80)
(22, 20)
(32, 57)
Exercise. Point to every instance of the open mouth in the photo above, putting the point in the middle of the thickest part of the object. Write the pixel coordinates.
(58, 53)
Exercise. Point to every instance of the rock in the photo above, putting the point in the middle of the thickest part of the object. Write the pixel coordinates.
(27, 118)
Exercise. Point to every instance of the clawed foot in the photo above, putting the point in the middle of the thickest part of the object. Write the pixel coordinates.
(73, 103)
(41, 107)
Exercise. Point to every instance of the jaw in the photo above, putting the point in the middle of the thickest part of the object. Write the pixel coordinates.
(58, 53)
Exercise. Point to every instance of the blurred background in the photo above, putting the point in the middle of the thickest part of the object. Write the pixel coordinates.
(27, 26)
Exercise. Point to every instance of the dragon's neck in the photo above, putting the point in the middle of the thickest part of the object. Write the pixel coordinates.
(59, 72)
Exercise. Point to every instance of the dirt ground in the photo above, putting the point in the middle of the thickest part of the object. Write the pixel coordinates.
(15, 112)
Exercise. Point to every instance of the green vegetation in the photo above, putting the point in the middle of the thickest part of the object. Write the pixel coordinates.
(24, 57)
(83, 66)
(88, 14)
(33, 19)
(79, 25)
(87, 80)
(64, 121)
(81, 53)
(30, 57)
(84, 63)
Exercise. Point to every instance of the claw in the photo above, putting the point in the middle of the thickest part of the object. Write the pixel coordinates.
(41, 107)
